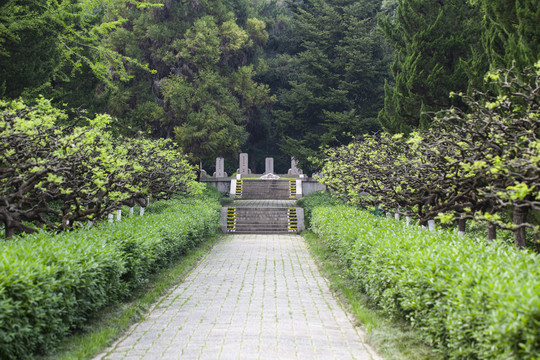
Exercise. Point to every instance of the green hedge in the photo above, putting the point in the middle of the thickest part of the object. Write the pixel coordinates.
(51, 284)
(314, 200)
(470, 299)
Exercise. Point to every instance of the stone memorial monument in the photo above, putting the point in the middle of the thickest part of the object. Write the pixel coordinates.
(294, 170)
(244, 169)
(220, 168)
(269, 165)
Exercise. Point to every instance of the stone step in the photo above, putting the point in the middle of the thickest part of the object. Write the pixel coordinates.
(259, 196)
(263, 232)
(261, 226)
(268, 220)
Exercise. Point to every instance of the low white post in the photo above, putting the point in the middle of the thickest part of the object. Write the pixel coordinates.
(131, 211)
(141, 213)
(232, 189)
(118, 215)
(431, 225)
(90, 223)
(238, 176)
(408, 220)
(388, 215)
(111, 217)
(396, 216)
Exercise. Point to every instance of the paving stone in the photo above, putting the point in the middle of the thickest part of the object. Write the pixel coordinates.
(251, 297)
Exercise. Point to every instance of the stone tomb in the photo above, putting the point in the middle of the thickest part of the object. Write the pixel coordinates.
(294, 170)
(269, 165)
(244, 169)
(220, 168)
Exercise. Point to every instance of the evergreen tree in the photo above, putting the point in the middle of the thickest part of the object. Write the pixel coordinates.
(341, 70)
(512, 32)
(44, 45)
(435, 46)
(203, 92)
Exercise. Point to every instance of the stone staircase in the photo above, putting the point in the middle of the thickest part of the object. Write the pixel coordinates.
(266, 189)
(263, 207)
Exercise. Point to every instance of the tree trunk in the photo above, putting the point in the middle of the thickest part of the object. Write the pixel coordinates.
(520, 216)
(461, 226)
(10, 231)
(492, 232)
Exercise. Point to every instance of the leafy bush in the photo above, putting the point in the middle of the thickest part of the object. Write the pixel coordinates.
(53, 176)
(51, 284)
(470, 299)
(316, 199)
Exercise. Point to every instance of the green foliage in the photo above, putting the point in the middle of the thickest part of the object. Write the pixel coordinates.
(81, 167)
(203, 92)
(342, 65)
(45, 44)
(434, 43)
(469, 299)
(472, 164)
(51, 284)
(314, 200)
(511, 35)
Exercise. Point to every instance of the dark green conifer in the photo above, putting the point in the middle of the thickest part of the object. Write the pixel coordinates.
(434, 45)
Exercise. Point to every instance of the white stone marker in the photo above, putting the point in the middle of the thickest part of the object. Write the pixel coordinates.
(118, 215)
(244, 169)
(431, 225)
(141, 212)
(269, 165)
(232, 190)
(111, 217)
(396, 216)
(131, 211)
(220, 168)
(298, 188)
(408, 220)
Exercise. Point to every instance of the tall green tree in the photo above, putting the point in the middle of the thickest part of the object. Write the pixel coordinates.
(512, 34)
(46, 44)
(341, 65)
(203, 92)
(435, 45)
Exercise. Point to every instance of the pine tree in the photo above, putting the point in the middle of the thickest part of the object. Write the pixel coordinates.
(435, 44)
(512, 32)
(341, 70)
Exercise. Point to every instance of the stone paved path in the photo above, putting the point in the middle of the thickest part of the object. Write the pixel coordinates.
(251, 297)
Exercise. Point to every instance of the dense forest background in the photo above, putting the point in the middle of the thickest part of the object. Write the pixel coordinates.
(268, 77)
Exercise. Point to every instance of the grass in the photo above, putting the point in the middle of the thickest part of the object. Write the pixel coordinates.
(115, 320)
(392, 339)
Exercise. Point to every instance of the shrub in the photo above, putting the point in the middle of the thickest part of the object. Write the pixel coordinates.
(51, 284)
(316, 199)
(470, 299)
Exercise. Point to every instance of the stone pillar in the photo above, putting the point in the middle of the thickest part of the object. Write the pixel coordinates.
(220, 168)
(294, 170)
(269, 165)
(244, 169)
